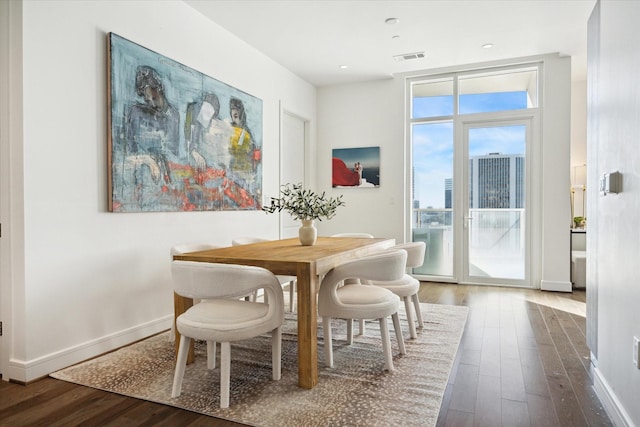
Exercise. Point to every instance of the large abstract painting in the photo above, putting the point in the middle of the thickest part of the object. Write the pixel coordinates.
(179, 140)
(356, 167)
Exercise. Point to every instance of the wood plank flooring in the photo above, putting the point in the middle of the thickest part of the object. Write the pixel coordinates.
(522, 361)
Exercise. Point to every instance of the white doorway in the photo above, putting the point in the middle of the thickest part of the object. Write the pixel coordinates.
(495, 227)
(293, 149)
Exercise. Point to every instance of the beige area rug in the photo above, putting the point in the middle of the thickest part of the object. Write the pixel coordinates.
(356, 392)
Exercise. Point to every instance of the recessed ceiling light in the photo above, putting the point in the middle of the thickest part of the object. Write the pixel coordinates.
(343, 67)
(391, 21)
(395, 37)
(487, 45)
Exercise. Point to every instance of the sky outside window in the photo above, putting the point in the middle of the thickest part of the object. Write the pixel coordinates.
(433, 106)
(433, 142)
(432, 161)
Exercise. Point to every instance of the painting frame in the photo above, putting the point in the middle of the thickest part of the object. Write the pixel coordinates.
(365, 172)
(178, 139)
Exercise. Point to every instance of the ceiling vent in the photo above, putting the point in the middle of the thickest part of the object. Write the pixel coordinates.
(409, 56)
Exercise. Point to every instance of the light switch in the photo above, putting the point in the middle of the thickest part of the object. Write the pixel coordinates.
(610, 183)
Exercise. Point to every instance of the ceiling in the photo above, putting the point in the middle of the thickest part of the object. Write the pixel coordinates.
(314, 38)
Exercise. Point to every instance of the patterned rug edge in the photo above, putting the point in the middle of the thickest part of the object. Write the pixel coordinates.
(358, 374)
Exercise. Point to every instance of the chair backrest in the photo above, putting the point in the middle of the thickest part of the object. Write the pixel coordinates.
(362, 235)
(386, 265)
(206, 280)
(247, 240)
(415, 253)
(191, 247)
(356, 235)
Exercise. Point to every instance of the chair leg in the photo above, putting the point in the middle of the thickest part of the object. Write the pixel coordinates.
(181, 364)
(361, 322)
(211, 355)
(292, 294)
(386, 344)
(172, 335)
(349, 331)
(328, 345)
(409, 310)
(276, 353)
(399, 337)
(225, 372)
(416, 305)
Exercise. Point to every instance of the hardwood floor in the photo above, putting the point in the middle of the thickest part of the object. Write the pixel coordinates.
(522, 361)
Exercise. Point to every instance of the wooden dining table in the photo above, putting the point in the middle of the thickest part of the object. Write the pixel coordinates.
(308, 264)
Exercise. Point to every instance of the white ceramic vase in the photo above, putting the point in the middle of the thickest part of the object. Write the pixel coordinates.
(307, 233)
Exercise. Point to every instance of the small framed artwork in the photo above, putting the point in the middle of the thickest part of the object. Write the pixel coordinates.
(356, 167)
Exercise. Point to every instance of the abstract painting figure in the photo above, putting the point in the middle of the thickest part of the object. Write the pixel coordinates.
(241, 143)
(152, 132)
(207, 135)
(179, 140)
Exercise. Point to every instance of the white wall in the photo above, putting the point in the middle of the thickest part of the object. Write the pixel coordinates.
(372, 114)
(578, 122)
(614, 139)
(554, 200)
(364, 115)
(579, 143)
(94, 280)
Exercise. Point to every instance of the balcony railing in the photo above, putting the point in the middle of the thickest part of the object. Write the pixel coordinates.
(496, 241)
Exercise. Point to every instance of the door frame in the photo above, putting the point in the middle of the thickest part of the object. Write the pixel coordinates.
(461, 191)
(11, 173)
(282, 161)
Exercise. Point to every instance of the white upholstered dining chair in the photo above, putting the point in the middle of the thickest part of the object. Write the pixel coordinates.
(222, 317)
(407, 286)
(183, 248)
(284, 280)
(361, 322)
(362, 301)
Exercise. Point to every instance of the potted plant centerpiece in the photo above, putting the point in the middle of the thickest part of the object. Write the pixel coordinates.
(306, 206)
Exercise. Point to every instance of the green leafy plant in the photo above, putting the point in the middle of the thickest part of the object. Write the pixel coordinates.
(304, 204)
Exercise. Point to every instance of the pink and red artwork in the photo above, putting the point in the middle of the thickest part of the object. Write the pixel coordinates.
(356, 167)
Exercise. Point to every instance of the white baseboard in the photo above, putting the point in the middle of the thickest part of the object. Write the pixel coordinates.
(29, 370)
(615, 410)
(556, 286)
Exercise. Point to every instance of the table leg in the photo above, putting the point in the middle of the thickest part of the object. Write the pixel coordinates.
(307, 290)
(180, 305)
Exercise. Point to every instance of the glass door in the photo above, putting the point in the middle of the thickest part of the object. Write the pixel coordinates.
(494, 225)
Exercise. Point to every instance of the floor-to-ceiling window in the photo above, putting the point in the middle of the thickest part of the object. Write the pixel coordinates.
(471, 135)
